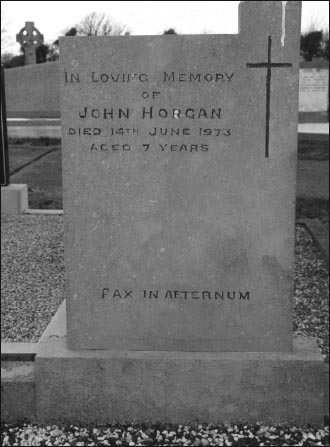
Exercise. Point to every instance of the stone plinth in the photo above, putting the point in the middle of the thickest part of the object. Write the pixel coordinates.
(88, 385)
(18, 391)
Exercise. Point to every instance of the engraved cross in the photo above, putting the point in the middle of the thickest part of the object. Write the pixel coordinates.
(269, 65)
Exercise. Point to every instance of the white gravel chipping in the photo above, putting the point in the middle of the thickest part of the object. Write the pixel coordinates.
(147, 434)
(32, 274)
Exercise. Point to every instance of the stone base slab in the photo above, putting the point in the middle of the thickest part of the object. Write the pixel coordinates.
(18, 391)
(178, 387)
(14, 199)
(23, 352)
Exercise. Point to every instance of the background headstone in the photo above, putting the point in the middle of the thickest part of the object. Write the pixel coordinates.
(314, 91)
(4, 165)
(14, 197)
(179, 166)
(33, 91)
(29, 38)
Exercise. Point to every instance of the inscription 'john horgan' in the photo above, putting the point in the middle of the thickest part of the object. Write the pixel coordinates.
(151, 113)
(176, 294)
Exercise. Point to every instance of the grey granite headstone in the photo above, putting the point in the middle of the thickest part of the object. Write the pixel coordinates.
(179, 167)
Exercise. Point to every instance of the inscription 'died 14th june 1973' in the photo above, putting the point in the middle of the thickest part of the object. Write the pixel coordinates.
(149, 113)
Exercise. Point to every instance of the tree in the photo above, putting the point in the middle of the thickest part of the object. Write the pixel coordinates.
(311, 44)
(100, 24)
(71, 32)
(170, 31)
(53, 54)
(8, 60)
(314, 42)
(42, 52)
(325, 46)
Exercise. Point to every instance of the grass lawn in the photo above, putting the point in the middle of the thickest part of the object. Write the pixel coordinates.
(43, 173)
(313, 177)
(41, 169)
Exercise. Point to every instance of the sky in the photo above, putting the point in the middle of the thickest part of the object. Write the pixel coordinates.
(53, 18)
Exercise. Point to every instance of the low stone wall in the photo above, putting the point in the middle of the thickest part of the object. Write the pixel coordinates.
(33, 91)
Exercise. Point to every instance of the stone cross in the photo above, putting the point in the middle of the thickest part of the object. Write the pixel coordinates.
(30, 38)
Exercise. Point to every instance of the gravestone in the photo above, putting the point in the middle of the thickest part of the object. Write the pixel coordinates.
(29, 38)
(5, 179)
(179, 164)
(314, 91)
(14, 197)
(179, 184)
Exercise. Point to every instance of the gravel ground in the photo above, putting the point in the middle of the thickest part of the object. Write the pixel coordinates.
(32, 275)
(311, 298)
(169, 435)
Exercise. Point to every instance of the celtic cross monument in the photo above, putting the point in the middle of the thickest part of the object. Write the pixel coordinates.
(30, 39)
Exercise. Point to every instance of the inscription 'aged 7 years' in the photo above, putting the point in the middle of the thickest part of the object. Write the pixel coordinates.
(178, 191)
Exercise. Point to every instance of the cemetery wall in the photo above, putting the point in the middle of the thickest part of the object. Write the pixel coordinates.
(33, 91)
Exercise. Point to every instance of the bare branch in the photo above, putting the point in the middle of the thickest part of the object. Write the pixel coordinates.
(100, 24)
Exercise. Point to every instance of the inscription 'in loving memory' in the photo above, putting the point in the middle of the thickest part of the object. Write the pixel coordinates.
(144, 77)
